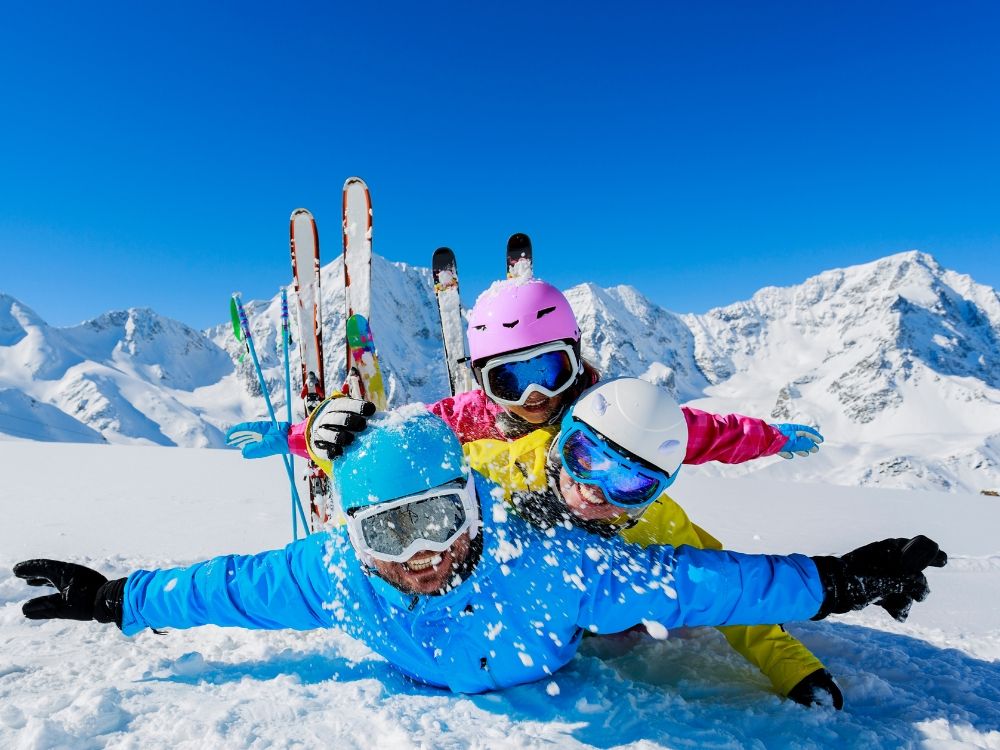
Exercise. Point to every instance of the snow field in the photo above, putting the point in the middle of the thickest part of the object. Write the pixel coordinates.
(931, 682)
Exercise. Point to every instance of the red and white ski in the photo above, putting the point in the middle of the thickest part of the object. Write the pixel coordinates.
(304, 241)
(361, 360)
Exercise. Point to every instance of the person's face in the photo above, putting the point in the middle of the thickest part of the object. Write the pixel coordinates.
(538, 409)
(585, 500)
(426, 572)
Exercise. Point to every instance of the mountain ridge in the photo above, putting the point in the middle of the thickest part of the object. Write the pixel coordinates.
(896, 360)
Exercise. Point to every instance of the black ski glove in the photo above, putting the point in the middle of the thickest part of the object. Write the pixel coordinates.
(817, 689)
(84, 594)
(887, 573)
(333, 428)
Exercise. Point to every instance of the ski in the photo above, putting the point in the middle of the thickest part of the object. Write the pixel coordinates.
(450, 313)
(304, 242)
(361, 360)
(364, 376)
(519, 263)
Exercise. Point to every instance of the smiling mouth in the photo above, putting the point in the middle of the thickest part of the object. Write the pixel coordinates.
(536, 408)
(424, 563)
(592, 499)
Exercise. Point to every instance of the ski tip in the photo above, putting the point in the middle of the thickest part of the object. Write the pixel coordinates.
(519, 256)
(355, 181)
(518, 240)
(301, 212)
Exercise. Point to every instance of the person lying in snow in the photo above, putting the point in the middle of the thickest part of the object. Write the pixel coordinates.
(525, 345)
(619, 448)
(433, 574)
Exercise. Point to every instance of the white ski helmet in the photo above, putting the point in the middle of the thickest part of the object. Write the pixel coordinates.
(638, 417)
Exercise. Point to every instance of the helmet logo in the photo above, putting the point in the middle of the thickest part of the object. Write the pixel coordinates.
(668, 445)
(600, 405)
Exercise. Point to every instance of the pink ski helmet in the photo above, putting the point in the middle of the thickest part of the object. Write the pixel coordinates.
(516, 314)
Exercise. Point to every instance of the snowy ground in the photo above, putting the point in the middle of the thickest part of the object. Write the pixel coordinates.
(932, 682)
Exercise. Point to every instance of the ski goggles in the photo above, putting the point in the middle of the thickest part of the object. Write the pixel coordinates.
(548, 369)
(431, 521)
(591, 459)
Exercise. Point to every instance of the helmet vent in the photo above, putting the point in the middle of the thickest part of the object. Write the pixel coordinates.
(668, 445)
(511, 324)
(544, 311)
(480, 328)
(600, 405)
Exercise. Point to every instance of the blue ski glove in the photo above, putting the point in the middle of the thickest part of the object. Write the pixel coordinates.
(802, 439)
(259, 439)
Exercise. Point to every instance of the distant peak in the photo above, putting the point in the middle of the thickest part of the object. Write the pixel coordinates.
(915, 256)
(895, 261)
(14, 308)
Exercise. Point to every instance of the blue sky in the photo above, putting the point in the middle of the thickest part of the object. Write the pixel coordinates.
(150, 154)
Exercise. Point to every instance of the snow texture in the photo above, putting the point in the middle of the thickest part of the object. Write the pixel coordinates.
(932, 682)
(896, 361)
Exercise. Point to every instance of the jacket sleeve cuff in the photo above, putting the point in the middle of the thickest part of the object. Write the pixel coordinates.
(297, 439)
(131, 622)
(830, 571)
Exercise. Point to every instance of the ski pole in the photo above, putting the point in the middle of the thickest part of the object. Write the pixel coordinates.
(288, 404)
(245, 326)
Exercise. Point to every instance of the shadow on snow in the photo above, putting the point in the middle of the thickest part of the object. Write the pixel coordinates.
(694, 691)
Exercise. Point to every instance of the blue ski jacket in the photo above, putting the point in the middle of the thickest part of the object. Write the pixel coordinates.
(516, 618)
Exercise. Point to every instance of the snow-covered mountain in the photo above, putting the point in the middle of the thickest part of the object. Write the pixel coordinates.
(897, 361)
(128, 376)
(404, 321)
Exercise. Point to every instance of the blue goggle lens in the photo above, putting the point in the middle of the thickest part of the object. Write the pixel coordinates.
(590, 462)
(550, 370)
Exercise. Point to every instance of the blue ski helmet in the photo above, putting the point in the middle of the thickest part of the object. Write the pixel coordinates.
(401, 453)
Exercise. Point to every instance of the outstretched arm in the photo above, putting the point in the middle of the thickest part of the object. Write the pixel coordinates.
(285, 588)
(689, 586)
(342, 417)
(730, 438)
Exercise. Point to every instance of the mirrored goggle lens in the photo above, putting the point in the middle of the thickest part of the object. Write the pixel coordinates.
(625, 484)
(584, 458)
(550, 370)
(435, 520)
